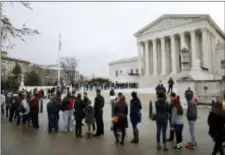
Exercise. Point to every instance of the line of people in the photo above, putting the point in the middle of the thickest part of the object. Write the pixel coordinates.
(21, 107)
(166, 112)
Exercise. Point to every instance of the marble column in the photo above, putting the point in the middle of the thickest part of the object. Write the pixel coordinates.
(146, 58)
(139, 59)
(182, 40)
(205, 48)
(173, 55)
(193, 49)
(154, 57)
(163, 55)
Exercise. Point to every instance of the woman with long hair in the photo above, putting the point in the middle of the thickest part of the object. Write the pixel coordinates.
(120, 122)
(178, 123)
(216, 122)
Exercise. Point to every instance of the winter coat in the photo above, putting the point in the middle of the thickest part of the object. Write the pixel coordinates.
(160, 88)
(189, 94)
(89, 114)
(162, 110)
(191, 111)
(121, 111)
(34, 106)
(98, 105)
(79, 109)
(170, 82)
(216, 126)
(86, 101)
(53, 108)
(135, 110)
(67, 103)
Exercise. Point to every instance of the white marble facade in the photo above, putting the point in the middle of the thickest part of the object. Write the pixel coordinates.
(159, 47)
(159, 43)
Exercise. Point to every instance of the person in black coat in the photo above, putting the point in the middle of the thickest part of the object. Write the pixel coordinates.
(170, 85)
(120, 119)
(98, 106)
(160, 88)
(216, 122)
(53, 112)
(79, 115)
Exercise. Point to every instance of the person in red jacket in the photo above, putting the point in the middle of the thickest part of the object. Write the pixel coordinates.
(34, 110)
(67, 107)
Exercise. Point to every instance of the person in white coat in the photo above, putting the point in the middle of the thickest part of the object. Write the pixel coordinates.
(24, 109)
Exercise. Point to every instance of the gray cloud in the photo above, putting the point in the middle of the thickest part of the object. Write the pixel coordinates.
(95, 33)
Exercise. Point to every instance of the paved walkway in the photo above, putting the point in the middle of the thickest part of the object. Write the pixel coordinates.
(16, 141)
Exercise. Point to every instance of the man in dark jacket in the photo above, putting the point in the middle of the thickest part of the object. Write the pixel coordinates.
(170, 85)
(135, 115)
(98, 106)
(160, 88)
(189, 94)
(14, 107)
(53, 112)
(162, 116)
(79, 115)
(8, 102)
(191, 117)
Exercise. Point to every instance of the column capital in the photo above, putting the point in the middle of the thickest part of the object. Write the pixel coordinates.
(204, 30)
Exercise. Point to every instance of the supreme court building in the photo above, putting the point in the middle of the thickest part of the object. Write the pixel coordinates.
(175, 45)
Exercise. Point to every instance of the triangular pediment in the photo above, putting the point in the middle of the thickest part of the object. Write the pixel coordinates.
(168, 21)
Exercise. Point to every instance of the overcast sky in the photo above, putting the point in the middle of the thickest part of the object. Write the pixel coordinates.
(96, 33)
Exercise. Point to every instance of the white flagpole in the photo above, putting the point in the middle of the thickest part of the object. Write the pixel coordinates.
(59, 65)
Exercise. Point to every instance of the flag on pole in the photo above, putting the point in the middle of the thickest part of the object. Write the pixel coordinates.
(60, 43)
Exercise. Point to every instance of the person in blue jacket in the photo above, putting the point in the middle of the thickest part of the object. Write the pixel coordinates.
(135, 115)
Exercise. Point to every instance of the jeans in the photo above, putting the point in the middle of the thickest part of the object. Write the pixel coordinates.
(178, 132)
(192, 131)
(67, 118)
(161, 127)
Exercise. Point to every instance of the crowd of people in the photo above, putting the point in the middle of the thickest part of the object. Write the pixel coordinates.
(25, 107)
(109, 85)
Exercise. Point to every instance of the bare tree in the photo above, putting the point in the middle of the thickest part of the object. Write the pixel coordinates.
(69, 67)
(9, 31)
